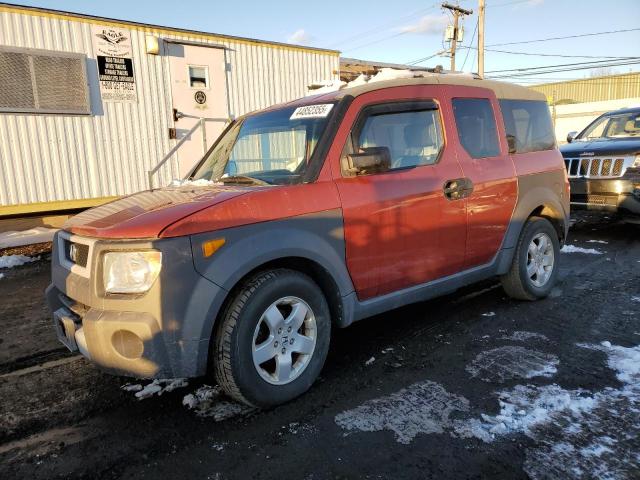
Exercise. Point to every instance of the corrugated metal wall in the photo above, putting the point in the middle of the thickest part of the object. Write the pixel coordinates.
(47, 158)
(595, 89)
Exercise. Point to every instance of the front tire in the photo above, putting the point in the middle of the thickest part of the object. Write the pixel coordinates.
(273, 338)
(534, 268)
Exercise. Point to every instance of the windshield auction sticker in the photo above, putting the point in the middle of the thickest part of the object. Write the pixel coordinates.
(112, 47)
(311, 111)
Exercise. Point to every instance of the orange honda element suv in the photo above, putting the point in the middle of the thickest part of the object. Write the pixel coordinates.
(309, 216)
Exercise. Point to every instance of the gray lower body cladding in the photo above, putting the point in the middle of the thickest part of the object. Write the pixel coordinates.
(158, 334)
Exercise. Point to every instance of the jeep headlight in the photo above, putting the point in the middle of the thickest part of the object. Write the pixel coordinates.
(130, 272)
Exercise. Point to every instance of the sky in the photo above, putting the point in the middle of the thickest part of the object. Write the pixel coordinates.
(404, 31)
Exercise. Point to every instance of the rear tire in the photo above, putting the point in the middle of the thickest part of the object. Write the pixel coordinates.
(272, 339)
(534, 268)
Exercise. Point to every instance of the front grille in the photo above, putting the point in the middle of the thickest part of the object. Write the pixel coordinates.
(77, 253)
(594, 167)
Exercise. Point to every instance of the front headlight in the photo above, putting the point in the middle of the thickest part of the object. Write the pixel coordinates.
(130, 272)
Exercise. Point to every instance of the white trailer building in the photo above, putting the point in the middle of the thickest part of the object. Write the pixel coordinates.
(89, 105)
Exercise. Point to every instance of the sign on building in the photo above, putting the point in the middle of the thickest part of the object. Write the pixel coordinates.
(112, 47)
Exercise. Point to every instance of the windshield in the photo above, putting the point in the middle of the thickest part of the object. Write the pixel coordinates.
(272, 147)
(613, 126)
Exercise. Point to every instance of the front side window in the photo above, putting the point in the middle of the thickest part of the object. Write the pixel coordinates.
(273, 147)
(529, 125)
(476, 126)
(612, 126)
(413, 138)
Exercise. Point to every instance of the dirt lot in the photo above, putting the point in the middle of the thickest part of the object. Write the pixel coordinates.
(473, 385)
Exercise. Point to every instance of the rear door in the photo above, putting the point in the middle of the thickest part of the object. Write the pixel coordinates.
(483, 155)
(400, 230)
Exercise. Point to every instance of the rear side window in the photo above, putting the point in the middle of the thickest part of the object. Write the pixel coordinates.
(528, 123)
(413, 138)
(476, 126)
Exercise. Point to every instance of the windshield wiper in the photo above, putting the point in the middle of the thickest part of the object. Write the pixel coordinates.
(243, 180)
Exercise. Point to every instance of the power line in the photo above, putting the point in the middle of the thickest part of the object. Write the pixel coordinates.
(373, 42)
(563, 38)
(475, 30)
(377, 29)
(593, 63)
(561, 55)
(568, 69)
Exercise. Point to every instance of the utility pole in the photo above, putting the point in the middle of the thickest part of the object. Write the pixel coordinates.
(481, 38)
(457, 11)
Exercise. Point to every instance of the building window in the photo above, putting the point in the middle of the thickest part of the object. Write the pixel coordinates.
(528, 125)
(42, 81)
(476, 127)
(198, 76)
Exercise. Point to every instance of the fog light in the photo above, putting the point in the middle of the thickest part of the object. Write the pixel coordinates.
(127, 344)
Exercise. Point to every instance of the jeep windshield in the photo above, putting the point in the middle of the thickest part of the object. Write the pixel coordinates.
(624, 125)
(273, 147)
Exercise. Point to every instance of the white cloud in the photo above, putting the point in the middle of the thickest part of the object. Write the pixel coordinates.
(299, 36)
(528, 3)
(429, 24)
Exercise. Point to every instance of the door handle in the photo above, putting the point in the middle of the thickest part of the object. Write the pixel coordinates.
(457, 188)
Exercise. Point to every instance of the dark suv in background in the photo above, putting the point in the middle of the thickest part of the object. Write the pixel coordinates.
(603, 163)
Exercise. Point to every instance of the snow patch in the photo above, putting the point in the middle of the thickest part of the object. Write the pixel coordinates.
(423, 407)
(11, 261)
(158, 386)
(604, 242)
(506, 363)
(635, 299)
(328, 86)
(577, 434)
(209, 401)
(370, 361)
(129, 387)
(489, 314)
(26, 237)
(193, 183)
(522, 336)
(574, 249)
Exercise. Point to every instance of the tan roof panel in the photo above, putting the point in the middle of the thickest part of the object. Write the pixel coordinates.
(501, 89)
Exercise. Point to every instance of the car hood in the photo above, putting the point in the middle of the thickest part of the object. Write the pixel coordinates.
(146, 214)
(616, 146)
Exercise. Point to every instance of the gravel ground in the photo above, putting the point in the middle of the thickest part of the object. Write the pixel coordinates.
(472, 385)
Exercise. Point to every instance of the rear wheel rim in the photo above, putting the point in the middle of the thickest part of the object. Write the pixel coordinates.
(284, 340)
(540, 259)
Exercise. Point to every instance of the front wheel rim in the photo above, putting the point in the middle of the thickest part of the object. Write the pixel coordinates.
(540, 259)
(284, 340)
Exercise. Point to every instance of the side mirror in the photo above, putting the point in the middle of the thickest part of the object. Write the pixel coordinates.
(571, 136)
(511, 143)
(369, 160)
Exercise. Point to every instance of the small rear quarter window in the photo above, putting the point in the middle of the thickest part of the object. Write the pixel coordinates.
(529, 123)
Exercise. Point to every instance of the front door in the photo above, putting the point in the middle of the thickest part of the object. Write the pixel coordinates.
(198, 90)
(400, 228)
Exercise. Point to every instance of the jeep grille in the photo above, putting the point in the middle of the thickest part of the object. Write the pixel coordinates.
(597, 167)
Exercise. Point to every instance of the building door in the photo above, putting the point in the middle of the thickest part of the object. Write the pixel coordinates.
(198, 90)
